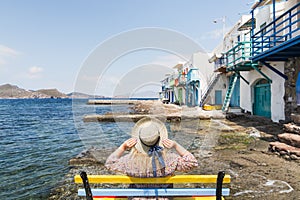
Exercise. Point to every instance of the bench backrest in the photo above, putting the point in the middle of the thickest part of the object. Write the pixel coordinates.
(210, 193)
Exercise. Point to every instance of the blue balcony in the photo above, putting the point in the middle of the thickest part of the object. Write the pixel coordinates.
(238, 57)
(280, 39)
(193, 75)
(220, 62)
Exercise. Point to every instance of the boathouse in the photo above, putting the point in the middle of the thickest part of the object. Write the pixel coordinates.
(167, 94)
(260, 58)
(180, 84)
(187, 84)
(256, 67)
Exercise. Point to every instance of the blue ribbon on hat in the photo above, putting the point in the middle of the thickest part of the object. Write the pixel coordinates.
(156, 151)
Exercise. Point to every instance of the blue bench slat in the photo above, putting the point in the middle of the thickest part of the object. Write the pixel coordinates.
(154, 192)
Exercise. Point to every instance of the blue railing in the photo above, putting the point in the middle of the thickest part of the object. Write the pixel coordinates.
(238, 54)
(193, 75)
(220, 62)
(282, 29)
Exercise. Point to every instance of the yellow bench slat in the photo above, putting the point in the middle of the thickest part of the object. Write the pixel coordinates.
(158, 180)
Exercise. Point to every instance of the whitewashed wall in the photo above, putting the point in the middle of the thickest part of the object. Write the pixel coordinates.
(222, 85)
(206, 70)
(265, 14)
(277, 90)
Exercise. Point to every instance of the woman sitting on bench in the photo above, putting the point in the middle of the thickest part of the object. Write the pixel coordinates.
(151, 154)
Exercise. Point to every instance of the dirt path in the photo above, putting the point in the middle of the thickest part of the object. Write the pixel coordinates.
(257, 173)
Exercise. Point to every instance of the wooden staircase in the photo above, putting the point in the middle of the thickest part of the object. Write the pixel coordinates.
(229, 92)
(209, 88)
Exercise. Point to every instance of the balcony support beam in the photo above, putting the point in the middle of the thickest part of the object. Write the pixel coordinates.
(274, 70)
(259, 71)
(239, 75)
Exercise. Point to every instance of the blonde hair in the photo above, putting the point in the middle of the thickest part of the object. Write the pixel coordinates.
(142, 163)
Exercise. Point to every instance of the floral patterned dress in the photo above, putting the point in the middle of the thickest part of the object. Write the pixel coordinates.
(140, 166)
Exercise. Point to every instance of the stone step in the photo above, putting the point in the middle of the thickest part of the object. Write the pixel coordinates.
(290, 139)
(283, 148)
(292, 128)
(295, 118)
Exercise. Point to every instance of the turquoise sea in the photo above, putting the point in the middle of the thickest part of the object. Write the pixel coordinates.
(39, 136)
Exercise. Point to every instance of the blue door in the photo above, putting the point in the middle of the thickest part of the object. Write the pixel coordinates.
(235, 98)
(218, 97)
(172, 96)
(195, 93)
(262, 99)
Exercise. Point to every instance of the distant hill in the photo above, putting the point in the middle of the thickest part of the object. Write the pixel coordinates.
(8, 91)
(52, 93)
(12, 91)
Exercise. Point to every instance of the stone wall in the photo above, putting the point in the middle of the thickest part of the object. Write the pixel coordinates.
(291, 69)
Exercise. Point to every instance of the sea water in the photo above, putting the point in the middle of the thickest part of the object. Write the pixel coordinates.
(39, 136)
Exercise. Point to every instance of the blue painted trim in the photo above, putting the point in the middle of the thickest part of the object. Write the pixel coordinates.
(252, 33)
(147, 192)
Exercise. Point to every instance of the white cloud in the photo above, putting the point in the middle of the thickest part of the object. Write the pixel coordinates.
(35, 72)
(5, 53)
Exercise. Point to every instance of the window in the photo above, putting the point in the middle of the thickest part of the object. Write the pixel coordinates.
(262, 27)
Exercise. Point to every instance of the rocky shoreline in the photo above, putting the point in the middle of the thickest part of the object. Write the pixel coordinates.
(241, 149)
(91, 161)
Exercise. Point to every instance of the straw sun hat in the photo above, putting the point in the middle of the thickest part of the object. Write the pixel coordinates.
(149, 132)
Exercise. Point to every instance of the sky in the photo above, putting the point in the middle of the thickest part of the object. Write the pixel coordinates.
(45, 44)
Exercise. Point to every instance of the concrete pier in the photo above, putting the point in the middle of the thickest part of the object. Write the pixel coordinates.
(151, 108)
(113, 102)
(136, 117)
(121, 118)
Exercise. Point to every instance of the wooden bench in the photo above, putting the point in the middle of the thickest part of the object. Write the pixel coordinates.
(177, 193)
